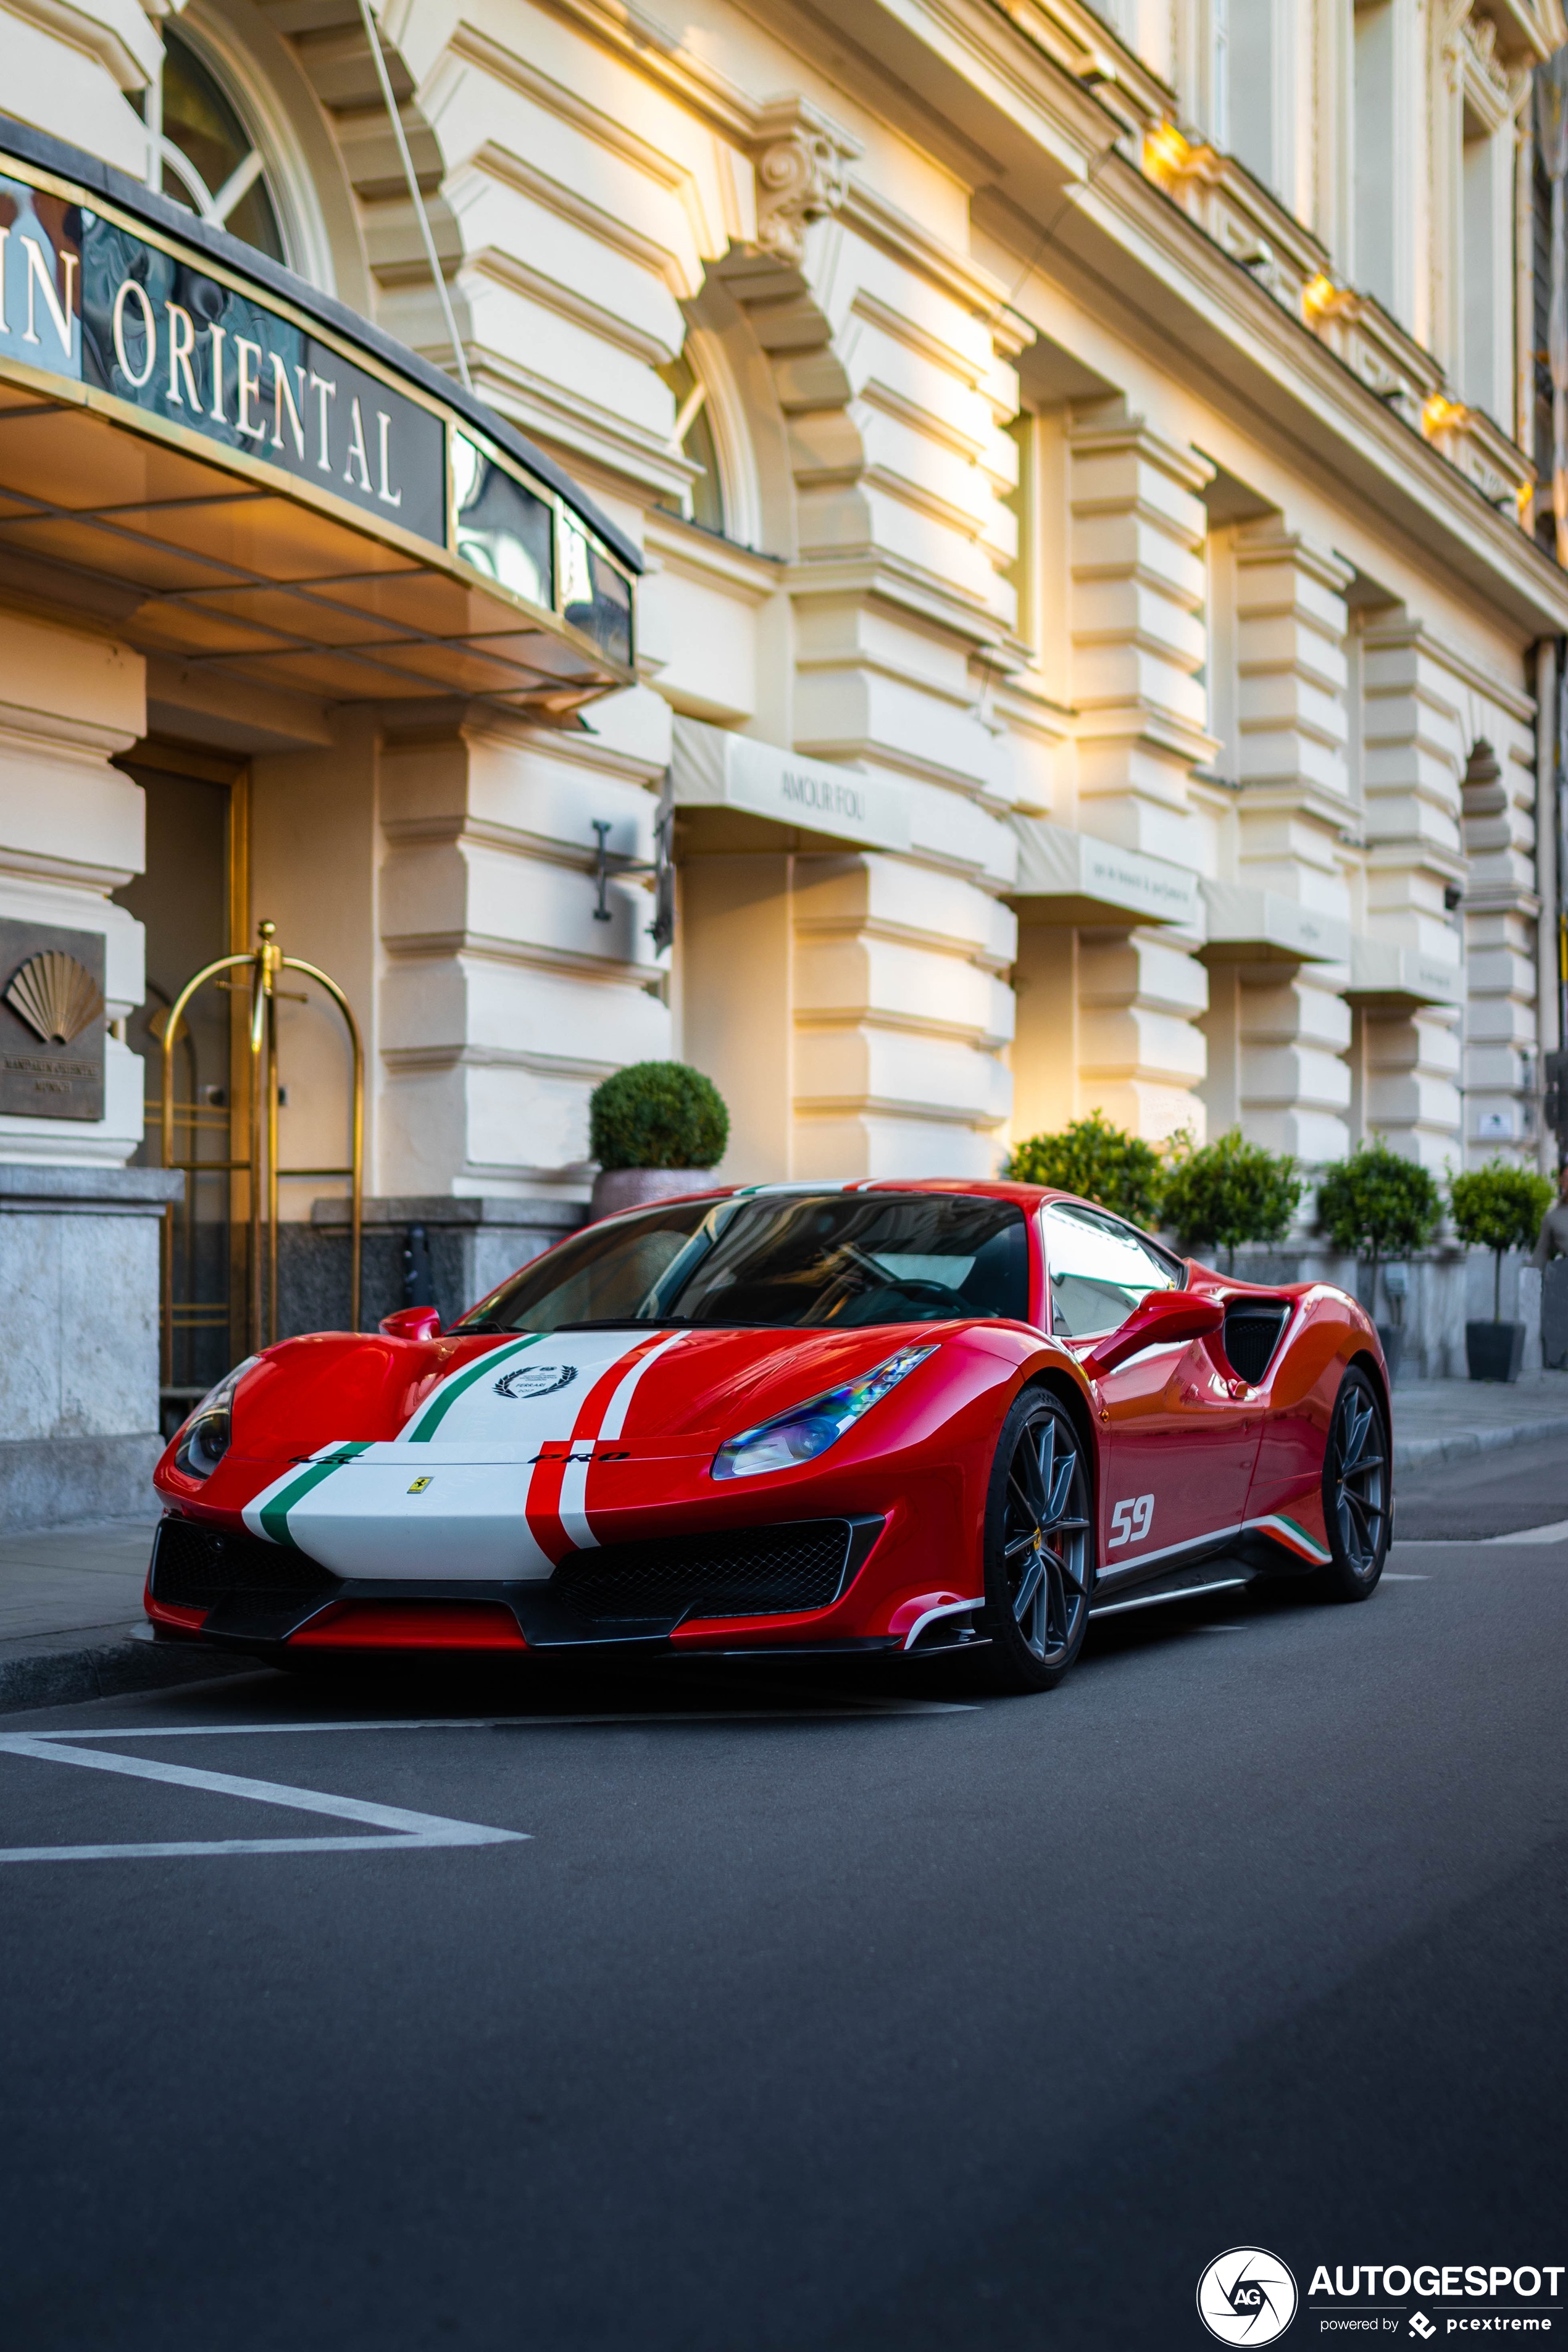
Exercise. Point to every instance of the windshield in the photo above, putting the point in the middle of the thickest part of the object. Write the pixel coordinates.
(835, 1259)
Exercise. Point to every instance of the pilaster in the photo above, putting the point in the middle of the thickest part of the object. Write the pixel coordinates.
(1413, 752)
(1139, 643)
(1291, 1025)
(71, 831)
(501, 1000)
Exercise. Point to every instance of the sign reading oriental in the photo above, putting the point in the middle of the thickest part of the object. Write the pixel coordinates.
(158, 332)
(177, 331)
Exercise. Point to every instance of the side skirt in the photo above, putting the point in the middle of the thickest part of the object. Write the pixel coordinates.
(1272, 1547)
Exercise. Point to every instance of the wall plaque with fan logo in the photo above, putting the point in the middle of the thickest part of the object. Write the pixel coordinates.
(51, 1022)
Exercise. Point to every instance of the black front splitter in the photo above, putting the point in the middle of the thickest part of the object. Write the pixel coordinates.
(548, 1626)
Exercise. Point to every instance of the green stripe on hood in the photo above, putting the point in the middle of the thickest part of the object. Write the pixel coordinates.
(275, 1514)
(440, 1404)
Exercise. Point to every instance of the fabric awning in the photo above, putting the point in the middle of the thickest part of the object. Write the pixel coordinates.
(1065, 876)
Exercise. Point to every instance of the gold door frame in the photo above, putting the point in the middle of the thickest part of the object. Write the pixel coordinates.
(259, 1164)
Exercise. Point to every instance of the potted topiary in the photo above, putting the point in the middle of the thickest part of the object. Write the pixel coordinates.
(1098, 1161)
(1228, 1193)
(656, 1129)
(1376, 1205)
(1497, 1207)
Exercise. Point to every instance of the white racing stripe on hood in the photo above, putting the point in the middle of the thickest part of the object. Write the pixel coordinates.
(449, 1496)
(574, 1477)
(514, 1399)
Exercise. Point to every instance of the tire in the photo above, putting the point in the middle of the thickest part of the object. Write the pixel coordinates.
(1039, 1546)
(1358, 1490)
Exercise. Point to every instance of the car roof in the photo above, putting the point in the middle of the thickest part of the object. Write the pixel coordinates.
(1027, 1196)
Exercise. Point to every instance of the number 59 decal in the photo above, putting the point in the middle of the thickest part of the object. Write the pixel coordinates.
(1131, 1522)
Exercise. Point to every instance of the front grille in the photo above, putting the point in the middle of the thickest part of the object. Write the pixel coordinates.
(757, 1572)
(195, 1566)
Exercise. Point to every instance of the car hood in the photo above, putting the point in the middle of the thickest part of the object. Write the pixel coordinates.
(489, 1399)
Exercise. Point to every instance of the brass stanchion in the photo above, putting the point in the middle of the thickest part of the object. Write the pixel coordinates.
(261, 1164)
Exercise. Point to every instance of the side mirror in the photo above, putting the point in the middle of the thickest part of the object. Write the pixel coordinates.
(411, 1323)
(1164, 1316)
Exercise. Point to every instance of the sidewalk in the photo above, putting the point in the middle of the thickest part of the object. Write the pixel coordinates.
(70, 1598)
(1437, 1420)
(70, 1618)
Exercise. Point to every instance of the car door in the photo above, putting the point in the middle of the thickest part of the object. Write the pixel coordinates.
(1180, 1436)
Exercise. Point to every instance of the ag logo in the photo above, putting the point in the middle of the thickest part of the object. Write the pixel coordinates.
(536, 1380)
(1247, 2296)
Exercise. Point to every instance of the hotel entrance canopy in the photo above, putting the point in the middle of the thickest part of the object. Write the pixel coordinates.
(277, 492)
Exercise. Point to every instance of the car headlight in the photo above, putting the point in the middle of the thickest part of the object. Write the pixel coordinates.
(808, 1430)
(204, 1439)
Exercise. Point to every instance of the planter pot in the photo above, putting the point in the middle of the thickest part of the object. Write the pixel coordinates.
(1494, 1352)
(633, 1188)
(1391, 1335)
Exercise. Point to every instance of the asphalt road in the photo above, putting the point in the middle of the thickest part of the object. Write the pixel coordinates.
(806, 2011)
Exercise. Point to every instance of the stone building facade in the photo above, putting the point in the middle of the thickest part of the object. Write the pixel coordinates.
(1096, 638)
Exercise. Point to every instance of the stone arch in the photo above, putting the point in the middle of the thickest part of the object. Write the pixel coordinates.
(332, 55)
(237, 40)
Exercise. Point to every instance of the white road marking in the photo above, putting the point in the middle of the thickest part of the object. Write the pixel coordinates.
(1556, 1531)
(408, 1829)
(1402, 1575)
(402, 1829)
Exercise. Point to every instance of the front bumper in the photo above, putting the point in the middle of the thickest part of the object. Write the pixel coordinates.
(777, 1588)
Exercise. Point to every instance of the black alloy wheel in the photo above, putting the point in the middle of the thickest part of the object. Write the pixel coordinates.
(1358, 1486)
(1039, 1546)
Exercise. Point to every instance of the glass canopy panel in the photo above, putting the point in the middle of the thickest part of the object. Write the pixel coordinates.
(596, 597)
(502, 529)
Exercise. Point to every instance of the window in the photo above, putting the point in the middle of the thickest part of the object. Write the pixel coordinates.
(1100, 1270)
(1383, 75)
(832, 1261)
(1486, 327)
(703, 502)
(1251, 69)
(210, 162)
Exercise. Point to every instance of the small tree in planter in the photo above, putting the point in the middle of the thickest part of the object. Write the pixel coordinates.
(1376, 1205)
(1097, 1161)
(1228, 1193)
(654, 1129)
(1497, 1207)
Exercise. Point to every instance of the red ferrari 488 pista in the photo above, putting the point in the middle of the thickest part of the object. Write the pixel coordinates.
(879, 1417)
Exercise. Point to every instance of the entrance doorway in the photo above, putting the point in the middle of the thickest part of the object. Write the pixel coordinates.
(192, 900)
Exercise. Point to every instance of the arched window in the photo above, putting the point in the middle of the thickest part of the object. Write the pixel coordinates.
(703, 501)
(210, 162)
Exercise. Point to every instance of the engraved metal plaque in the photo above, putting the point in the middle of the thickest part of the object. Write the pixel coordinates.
(51, 1022)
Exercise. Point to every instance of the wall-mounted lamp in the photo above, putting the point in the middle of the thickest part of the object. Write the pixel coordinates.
(612, 863)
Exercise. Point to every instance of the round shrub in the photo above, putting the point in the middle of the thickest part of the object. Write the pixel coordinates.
(1499, 1207)
(658, 1114)
(1097, 1161)
(1229, 1192)
(1377, 1205)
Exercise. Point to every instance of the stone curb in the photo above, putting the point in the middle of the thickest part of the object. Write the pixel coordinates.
(1410, 1452)
(65, 1677)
